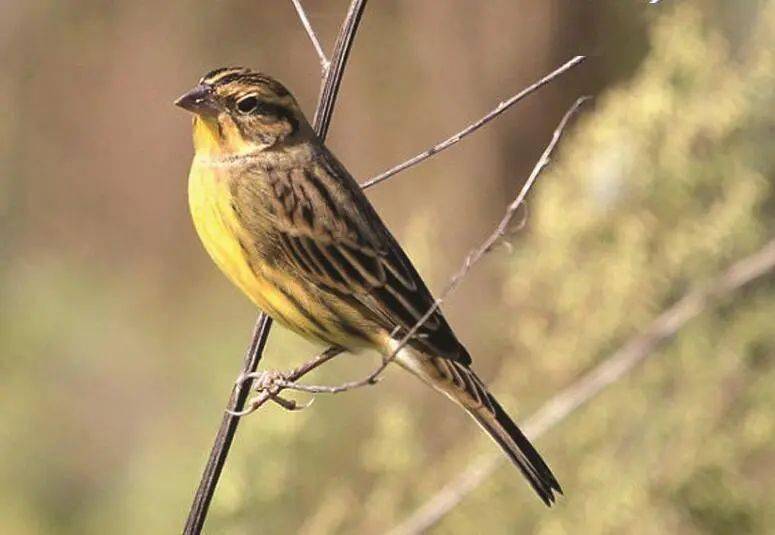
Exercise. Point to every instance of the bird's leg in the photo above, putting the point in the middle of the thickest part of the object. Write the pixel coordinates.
(268, 384)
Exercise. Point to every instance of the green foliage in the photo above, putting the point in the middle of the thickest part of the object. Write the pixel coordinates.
(665, 184)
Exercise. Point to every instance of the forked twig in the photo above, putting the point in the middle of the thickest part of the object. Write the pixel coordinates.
(333, 76)
(610, 370)
(477, 254)
(282, 381)
(324, 63)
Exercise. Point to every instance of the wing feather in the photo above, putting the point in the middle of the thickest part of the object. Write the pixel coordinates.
(331, 233)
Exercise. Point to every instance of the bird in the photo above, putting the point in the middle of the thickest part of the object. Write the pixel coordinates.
(286, 222)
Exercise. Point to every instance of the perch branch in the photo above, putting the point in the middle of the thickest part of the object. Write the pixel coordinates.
(608, 372)
(332, 78)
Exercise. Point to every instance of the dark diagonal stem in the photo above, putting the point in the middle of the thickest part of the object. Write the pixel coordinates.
(333, 77)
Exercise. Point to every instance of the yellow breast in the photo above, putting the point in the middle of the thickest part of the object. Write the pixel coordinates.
(243, 254)
(232, 248)
(217, 225)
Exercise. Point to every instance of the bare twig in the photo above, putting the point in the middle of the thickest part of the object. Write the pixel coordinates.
(225, 436)
(333, 76)
(477, 254)
(473, 127)
(324, 63)
(610, 370)
(288, 380)
(222, 444)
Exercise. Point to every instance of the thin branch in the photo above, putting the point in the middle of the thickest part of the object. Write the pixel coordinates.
(473, 127)
(333, 76)
(608, 372)
(225, 435)
(324, 63)
(274, 384)
(477, 254)
(228, 428)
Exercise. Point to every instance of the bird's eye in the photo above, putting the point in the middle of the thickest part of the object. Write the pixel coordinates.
(247, 104)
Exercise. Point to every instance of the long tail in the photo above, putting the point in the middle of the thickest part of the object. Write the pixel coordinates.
(460, 383)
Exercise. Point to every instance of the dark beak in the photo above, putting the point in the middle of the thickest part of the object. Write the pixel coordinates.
(199, 100)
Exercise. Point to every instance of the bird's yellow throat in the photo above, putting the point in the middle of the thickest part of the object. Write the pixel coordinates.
(217, 138)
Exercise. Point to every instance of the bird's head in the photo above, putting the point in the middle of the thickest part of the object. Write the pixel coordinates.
(238, 111)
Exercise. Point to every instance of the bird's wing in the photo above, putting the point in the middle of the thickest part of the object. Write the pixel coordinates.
(331, 233)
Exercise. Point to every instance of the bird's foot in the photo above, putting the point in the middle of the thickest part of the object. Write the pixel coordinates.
(267, 384)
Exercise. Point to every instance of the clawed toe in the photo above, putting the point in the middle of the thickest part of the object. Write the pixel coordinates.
(262, 380)
(290, 404)
(268, 384)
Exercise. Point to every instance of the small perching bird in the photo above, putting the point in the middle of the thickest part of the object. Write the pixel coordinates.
(286, 223)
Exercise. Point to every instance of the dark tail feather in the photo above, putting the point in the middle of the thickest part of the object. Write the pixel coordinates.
(519, 449)
(460, 383)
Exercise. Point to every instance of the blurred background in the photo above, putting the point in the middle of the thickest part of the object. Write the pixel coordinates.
(119, 339)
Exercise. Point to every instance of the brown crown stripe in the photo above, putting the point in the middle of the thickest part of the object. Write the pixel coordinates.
(214, 76)
(227, 75)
